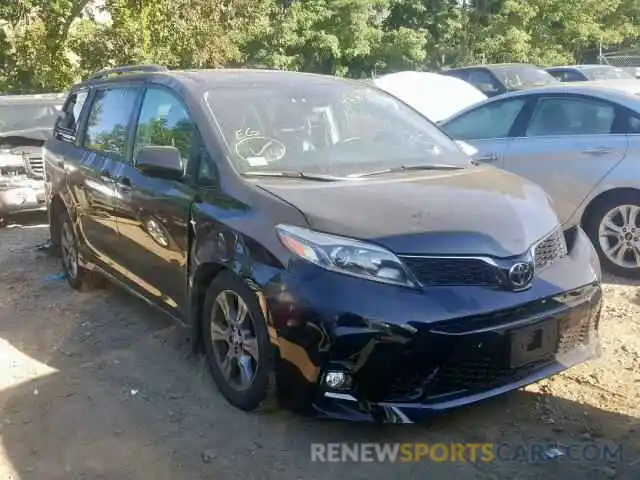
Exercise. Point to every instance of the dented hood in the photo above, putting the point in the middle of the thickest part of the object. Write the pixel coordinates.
(37, 134)
(475, 211)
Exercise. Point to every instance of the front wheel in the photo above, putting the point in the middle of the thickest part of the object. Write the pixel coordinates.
(237, 344)
(79, 278)
(614, 229)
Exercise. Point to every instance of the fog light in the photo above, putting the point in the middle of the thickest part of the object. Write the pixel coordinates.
(337, 380)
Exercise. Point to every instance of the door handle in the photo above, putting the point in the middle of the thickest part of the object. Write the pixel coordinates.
(490, 157)
(597, 151)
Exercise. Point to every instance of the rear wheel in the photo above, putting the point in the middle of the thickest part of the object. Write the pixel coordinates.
(237, 344)
(614, 229)
(79, 278)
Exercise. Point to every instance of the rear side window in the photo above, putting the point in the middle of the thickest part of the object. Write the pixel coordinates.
(108, 121)
(633, 125)
(67, 125)
(483, 81)
(567, 76)
(571, 116)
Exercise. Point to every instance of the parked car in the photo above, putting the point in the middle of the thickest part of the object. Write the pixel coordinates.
(584, 73)
(435, 96)
(633, 71)
(319, 236)
(581, 143)
(26, 121)
(499, 78)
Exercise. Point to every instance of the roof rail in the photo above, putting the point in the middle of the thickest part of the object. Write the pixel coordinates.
(126, 69)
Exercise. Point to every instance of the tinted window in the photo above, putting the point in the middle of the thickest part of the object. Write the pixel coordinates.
(606, 72)
(461, 74)
(633, 124)
(571, 116)
(516, 77)
(568, 76)
(164, 122)
(108, 122)
(489, 121)
(330, 127)
(72, 110)
(483, 81)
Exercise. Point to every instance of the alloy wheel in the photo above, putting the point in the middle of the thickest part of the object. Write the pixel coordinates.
(69, 250)
(234, 341)
(619, 236)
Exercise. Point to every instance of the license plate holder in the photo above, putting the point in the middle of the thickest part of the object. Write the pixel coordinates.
(533, 343)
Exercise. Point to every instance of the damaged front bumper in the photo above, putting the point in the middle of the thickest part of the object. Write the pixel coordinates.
(409, 353)
(22, 186)
(458, 363)
(22, 196)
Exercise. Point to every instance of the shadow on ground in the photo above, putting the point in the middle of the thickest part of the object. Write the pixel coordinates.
(127, 400)
(611, 279)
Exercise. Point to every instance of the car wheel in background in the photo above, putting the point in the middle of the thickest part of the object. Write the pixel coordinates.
(614, 229)
(237, 346)
(79, 278)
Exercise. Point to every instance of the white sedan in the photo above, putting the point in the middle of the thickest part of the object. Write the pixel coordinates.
(581, 143)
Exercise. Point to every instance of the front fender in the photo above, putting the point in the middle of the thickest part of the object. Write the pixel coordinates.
(217, 246)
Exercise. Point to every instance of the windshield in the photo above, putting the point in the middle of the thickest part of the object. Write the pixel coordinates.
(19, 116)
(606, 73)
(326, 128)
(521, 76)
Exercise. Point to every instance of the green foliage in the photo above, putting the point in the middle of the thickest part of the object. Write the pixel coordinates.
(47, 45)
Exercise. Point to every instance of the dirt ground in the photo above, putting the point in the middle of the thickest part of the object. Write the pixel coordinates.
(99, 386)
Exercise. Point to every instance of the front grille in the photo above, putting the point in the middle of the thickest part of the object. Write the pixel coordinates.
(35, 166)
(432, 271)
(550, 249)
(450, 271)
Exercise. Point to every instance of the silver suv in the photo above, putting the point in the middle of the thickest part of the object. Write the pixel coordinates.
(26, 122)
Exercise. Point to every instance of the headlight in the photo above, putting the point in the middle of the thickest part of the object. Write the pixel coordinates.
(345, 255)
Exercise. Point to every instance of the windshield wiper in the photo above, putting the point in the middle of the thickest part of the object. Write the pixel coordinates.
(293, 174)
(405, 168)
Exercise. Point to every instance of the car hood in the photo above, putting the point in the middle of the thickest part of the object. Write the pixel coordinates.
(39, 134)
(475, 211)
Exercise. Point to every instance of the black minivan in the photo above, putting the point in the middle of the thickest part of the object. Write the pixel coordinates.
(325, 244)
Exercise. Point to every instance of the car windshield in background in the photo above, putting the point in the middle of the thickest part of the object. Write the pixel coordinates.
(328, 128)
(517, 77)
(19, 116)
(606, 73)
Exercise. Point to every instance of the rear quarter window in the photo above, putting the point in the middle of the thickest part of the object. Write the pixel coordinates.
(67, 124)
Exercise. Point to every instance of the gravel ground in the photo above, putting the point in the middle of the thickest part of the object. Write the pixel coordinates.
(99, 386)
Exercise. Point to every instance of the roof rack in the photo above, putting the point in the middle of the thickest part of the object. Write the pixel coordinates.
(127, 69)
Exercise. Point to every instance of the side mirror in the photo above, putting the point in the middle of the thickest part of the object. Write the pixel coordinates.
(162, 162)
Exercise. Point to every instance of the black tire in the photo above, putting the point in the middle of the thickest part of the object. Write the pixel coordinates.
(592, 227)
(78, 277)
(260, 392)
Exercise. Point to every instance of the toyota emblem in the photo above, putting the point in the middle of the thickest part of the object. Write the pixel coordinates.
(521, 274)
